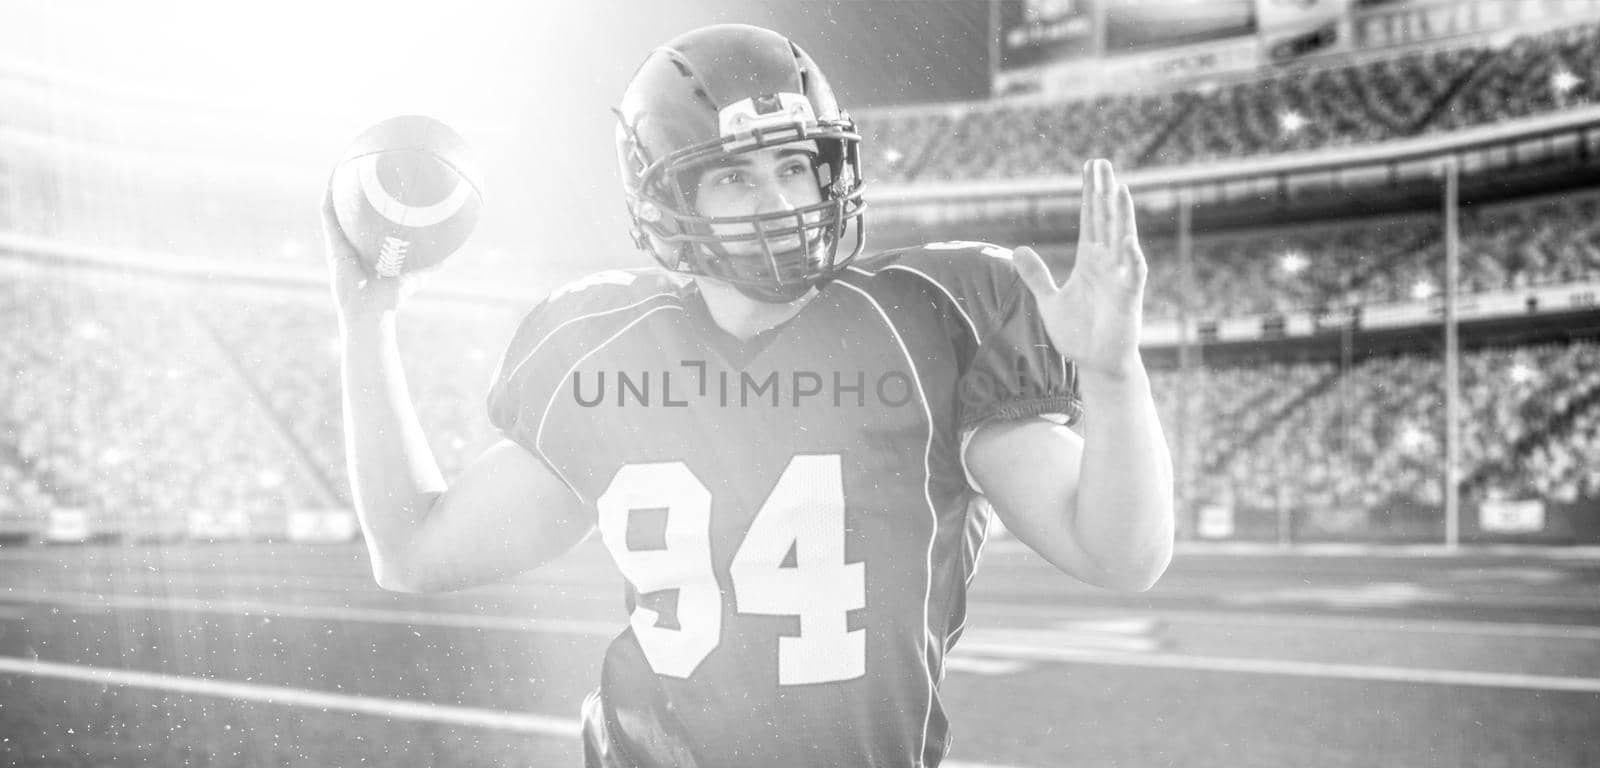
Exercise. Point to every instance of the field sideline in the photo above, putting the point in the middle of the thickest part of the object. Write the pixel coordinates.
(265, 654)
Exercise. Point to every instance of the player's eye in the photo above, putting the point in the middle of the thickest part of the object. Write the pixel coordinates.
(794, 168)
(725, 178)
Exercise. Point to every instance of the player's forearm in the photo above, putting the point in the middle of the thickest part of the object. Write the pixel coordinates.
(1124, 505)
(393, 474)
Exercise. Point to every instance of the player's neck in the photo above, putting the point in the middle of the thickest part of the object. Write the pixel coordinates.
(743, 317)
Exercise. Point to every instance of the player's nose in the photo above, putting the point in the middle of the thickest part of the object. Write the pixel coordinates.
(770, 196)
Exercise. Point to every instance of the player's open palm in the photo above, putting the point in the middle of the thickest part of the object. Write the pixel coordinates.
(356, 291)
(1094, 317)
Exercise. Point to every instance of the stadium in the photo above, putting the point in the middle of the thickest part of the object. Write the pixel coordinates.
(1372, 323)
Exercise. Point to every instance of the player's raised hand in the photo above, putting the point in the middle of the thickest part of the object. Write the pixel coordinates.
(357, 292)
(1094, 317)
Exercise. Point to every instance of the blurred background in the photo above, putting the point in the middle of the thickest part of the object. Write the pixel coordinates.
(1372, 321)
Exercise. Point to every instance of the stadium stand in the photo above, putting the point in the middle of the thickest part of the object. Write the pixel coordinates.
(126, 411)
(1344, 450)
(148, 402)
(287, 344)
(1515, 244)
(1302, 109)
(142, 400)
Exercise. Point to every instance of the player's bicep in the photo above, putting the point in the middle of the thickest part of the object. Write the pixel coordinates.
(1028, 469)
(506, 513)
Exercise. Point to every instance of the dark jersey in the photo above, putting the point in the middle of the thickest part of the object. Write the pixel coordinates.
(790, 512)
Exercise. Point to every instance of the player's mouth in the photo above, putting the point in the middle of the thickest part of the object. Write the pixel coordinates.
(786, 251)
(784, 244)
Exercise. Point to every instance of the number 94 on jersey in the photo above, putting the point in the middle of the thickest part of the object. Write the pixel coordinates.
(790, 563)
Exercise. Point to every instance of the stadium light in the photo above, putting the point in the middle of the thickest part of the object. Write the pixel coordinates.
(221, 66)
(1413, 438)
(91, 331)
(1291, 121)
(892, 156)
(1422, 290)
(269, 478)
(1293, 262)
(1521, 373)
(1563, 81)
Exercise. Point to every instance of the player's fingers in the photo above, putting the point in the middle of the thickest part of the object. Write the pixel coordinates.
(1126, 226)
(330, 218)
(1034, 272)
(1105, 193)
(1130, 255)
(1138, 267)
(1085, 206)
(404, 285)
(332, 233)
(338, 247)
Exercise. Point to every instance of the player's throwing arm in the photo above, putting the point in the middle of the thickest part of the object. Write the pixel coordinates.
(404, 198)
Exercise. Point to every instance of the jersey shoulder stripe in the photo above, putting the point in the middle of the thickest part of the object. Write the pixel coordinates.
(602, 298)
(561, 331)
(976, 280)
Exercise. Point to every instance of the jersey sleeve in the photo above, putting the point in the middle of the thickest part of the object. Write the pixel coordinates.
(547, 344)
(1015, 372)
(1008, 367)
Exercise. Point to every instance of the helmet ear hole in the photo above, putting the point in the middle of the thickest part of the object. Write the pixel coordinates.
(833, 169)
(686, 185)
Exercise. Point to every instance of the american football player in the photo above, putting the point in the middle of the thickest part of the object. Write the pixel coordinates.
(789, 447)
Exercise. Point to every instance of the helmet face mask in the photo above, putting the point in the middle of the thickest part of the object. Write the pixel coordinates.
(715, 94)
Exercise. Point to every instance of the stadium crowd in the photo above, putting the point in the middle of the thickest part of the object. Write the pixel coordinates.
(1316, 266)
(99, 202)
(1370, 439)
(1547, 241)
(288, 346)
(1295, 110)
(118, 403)
(142, 401)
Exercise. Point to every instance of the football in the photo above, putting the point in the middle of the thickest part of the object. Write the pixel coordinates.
(407, 194)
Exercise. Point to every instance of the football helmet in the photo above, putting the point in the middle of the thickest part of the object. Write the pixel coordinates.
(714, 93)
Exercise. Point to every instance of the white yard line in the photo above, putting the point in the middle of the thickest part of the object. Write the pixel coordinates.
(316, 612)
(1556, 553)
(403, 709)
(1038, 646)
(397, 709)
(986, 667)
(1252, 598)
(981, 607)
(1232, 618)
(1289, 668)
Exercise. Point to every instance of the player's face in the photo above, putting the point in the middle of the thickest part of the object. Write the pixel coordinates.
(763, 181)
